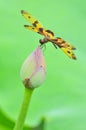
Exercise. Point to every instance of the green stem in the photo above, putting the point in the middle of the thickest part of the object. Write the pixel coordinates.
(23, 112)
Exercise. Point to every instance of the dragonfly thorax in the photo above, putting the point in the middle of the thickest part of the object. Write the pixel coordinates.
(48, 34)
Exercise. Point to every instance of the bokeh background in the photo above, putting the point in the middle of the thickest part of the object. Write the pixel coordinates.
(62, 97)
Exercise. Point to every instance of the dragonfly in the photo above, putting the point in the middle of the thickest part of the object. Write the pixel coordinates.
(37, 27)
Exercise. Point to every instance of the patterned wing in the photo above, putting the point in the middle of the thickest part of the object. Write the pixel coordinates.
(31, 28)
(31, 19)
(69, 53)
(65, 47)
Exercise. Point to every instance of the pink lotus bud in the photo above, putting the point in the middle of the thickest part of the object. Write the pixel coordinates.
(33, 70)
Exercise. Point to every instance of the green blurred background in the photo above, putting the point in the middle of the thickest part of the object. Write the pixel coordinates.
(62, 97)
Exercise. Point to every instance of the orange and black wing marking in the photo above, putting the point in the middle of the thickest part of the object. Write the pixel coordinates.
(36, 25)
(65, 47)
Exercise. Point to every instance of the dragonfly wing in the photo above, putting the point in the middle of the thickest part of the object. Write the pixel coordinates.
(65, 47)
(31, 19)
(69, 53)
(31, 28)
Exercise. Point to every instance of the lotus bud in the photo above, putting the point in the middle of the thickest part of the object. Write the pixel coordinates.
(33, 70)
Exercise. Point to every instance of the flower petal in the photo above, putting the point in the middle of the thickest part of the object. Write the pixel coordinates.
(33, 70)
(38, 78)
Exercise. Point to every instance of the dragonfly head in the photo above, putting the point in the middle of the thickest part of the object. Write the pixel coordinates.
(43, 41)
